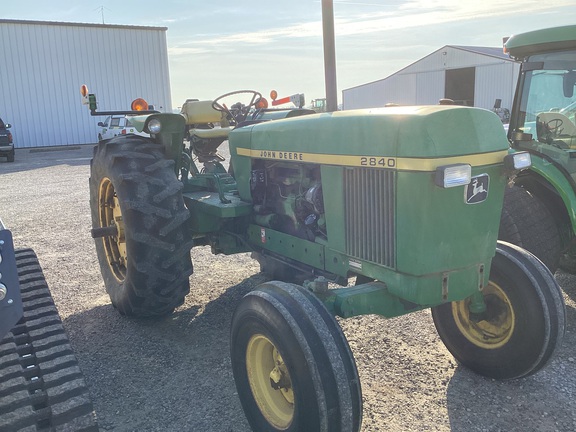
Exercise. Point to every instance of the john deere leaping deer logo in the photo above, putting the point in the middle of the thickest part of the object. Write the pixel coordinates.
(477, 190)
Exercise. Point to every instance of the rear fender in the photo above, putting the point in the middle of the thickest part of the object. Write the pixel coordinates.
(557, 179)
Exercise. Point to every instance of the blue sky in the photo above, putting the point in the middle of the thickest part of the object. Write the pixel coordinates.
(217, 47)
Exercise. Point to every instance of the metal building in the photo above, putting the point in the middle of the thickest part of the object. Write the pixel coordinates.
(45, 63)
(472, 76)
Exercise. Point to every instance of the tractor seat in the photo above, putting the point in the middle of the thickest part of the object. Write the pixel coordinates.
(565, 125)
(199, 115)
(558, 128)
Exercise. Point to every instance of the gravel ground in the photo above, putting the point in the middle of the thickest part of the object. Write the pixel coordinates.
(175, 374)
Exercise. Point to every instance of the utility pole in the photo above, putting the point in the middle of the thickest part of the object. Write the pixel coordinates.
(101, 9)
(329, 55)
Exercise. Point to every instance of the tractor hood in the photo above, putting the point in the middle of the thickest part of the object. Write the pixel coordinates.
(406, 134)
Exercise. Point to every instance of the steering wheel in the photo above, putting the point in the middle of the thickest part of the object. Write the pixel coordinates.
(237, 112)
(554, 126)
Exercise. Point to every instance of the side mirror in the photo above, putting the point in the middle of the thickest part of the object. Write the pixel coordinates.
(569, 81)
(100, 124)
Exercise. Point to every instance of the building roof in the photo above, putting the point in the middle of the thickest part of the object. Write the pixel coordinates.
(488, 51)
(485, 51)
(71, 24)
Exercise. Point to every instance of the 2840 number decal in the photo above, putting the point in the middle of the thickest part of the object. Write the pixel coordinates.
(378, 162)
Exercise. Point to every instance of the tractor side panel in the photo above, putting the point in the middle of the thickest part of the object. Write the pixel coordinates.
(380, 212)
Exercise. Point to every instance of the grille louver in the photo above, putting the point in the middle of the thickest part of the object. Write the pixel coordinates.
(370, 199)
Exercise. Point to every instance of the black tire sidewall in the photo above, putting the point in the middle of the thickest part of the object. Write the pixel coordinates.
(524, 348)
(254, 316)
(528, 223)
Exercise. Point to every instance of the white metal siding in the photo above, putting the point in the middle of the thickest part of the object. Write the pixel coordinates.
(430, 87)
(423, 82)
(402, 89)
(366, 96)
(45, 64)
(495, 82)
(450, 57)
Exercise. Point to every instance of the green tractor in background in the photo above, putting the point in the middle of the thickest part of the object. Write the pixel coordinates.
(382, 211)
(540, 210)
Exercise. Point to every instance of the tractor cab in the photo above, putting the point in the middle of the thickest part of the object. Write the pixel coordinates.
(543, 119)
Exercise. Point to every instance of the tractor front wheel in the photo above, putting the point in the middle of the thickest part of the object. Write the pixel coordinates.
(523, 323)
(139, 219)
(293, 368)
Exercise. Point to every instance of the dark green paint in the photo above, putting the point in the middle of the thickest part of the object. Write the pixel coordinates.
(286, 245)
(538, 41)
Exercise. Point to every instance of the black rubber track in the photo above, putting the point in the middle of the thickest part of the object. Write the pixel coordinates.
(41, 385)
(526, 222)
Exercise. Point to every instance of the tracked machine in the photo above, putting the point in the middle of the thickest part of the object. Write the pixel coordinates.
(41, 385)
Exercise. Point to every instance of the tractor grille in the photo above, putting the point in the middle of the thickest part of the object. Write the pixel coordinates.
(370, 201)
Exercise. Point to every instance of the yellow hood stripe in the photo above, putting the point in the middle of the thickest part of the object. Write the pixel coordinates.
(386, 162)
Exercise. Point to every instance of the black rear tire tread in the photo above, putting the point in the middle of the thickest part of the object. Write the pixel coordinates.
(526, 222)
(155, 220)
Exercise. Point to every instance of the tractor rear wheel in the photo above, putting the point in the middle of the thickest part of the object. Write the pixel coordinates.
(144, 252)
(293, 368)
(523, 323)
(526, 222)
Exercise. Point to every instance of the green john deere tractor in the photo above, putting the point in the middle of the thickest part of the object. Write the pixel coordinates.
(540, 210)
(382, 211)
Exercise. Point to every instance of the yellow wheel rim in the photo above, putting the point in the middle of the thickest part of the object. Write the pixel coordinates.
(497, 326)
(270, 382)
(111, 215)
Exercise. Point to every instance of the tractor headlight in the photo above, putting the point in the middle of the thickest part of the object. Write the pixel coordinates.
(448, 176)
(154, 126)
(517, 161)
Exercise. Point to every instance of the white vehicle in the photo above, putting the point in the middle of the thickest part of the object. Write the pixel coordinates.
(117, 125)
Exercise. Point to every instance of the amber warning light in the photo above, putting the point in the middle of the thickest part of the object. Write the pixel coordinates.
(297, 99)
(84, 93)
(262, 103)
(87, 98)
(139, 105)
